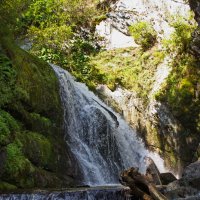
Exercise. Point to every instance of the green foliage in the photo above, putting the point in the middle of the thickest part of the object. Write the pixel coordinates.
(9, 91)
(181, 91)
(181, 37)
(38, 149)
(41, 124)
(55, 37)
(34, 85)
(143, 34)
(6, 186)
(10, 13)
(8, 126)
(16, 163)
(53, 26)
(7, 80)
(120, 67)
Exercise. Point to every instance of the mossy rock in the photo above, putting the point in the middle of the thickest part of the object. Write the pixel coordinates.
(32, 148)
(8, 126)
(4, 186)
(18, 169)
(38, 149)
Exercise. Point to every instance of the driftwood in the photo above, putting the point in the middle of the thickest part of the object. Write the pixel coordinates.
(141, 186)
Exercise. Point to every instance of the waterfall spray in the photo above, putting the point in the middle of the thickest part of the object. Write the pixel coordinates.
(100, 140)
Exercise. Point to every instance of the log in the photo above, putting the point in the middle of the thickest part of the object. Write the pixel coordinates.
(140, 185)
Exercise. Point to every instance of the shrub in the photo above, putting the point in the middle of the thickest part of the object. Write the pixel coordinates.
(181, 38)
(143, 34)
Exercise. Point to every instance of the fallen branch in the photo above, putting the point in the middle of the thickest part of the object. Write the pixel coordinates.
(141, 186)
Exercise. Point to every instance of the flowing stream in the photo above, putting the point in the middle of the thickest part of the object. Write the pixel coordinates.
(99, 139)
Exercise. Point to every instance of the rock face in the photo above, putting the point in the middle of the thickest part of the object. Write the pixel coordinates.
(188, 186)
(127, 12)
(195, 45)
(191, 175)
(155, 122)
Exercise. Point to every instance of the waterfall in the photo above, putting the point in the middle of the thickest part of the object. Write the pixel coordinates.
(99, 139)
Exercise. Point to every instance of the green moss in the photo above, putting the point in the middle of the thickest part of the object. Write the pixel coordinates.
(143, 34)
(4, 186)
(7, 80)
(38, 149)
(130, 68)
(18, 168)
(8, 126)
(31, 136)
(40, 123)
(181, 92)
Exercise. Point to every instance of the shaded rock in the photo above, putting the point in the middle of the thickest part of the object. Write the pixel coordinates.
(191, 175)
(167, 178)
(195, 43)
(43, 158)
(180, 192)
(188, 186)
(195, 6)
(2, 159)
(152, 172)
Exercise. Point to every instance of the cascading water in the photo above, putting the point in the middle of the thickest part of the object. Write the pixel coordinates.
(100, 140)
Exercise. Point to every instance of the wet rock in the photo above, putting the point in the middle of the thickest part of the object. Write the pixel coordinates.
(152, 171)
(180, 192)
(167, 178)
(191, 175)
(106, 193)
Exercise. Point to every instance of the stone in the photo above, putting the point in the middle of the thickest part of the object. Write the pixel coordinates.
(167, 178)
(195, 43)
(194, 47)
(191, 175)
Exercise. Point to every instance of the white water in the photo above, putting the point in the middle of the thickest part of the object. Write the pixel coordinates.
(103, 144)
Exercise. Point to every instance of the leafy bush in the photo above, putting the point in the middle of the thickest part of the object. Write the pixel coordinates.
(11, 11)
(120, 67)
(143, 34)
(181, 92)
(181, 38)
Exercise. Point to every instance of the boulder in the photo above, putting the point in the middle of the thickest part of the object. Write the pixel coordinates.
(191, 175)
(167, 178)
(152, 171)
